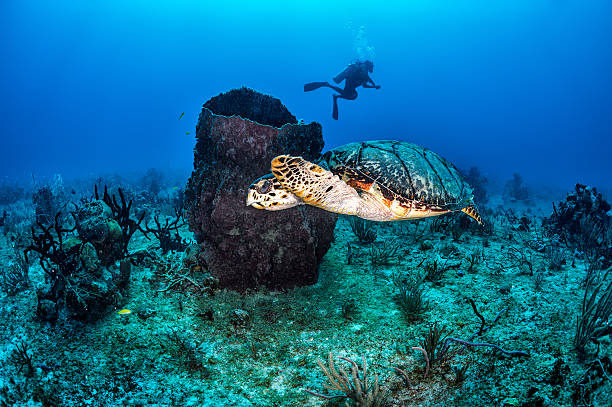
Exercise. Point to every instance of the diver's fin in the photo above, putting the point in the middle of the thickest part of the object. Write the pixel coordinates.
(335, 109)
(472, 212)
(315, 185)
(314, 85)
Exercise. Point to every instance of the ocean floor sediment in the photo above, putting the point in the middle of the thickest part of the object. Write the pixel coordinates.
(187, 343)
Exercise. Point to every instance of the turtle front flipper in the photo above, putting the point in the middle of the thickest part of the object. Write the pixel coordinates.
(315, 185)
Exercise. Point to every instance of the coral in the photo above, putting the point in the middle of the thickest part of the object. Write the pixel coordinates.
(121, 213)
(46, 205)
(238, 134)
(594, 320)
(14, 277)
(410, 297)
(363, 230)
(349, 308)
(163, 233)
(384, 254)
(582, 223)
(190, 354)
(555, 258)
(22, 357)
(434, 344)
(593, 383)
(176, 274)
(152, 183)
(356, 387)
(512, 257)
(474, 259)
(94, 223)
(515, 189)
(457, 224)
(538, 281)
(80, 286)
(478, 183)
(251, 105)
(435, 270)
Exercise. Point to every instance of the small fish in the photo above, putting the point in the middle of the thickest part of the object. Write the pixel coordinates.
(187, 133)
(124, 312)
(182, 114)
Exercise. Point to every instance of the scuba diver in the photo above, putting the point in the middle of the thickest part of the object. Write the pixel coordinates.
(355, 75)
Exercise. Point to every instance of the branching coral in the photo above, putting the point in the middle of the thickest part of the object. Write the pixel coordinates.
(410, 297)
(583, 224)
(434, 344)
(21, 357)
(121, 213)
(384, 254)
(48, 242)
(82, 285)
(14, 277)
(555, 258)
(363, 229)
(434, 271)
(189, 353)
(163, 233)
(513, 257)
(594, 319)
(359, 388)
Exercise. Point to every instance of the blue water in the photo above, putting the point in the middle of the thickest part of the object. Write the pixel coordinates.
(509, 86)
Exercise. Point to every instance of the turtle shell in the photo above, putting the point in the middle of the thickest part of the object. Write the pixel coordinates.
(401, 171)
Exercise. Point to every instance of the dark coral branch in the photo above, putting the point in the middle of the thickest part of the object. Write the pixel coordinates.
(22, 359)
(163, 233)
(50, 246)
(121, 214)
(479, 315)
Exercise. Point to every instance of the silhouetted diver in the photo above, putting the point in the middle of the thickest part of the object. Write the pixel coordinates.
(356, 74)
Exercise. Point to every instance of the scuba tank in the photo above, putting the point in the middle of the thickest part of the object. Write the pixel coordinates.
(342, 75)
(354, 68)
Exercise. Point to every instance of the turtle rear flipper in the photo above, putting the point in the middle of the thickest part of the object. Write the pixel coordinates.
(472, 212)
(315, 185)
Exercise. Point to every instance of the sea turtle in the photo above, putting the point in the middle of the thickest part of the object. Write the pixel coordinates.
(377, 180)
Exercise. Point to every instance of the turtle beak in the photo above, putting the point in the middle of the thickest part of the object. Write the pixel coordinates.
(252, 201)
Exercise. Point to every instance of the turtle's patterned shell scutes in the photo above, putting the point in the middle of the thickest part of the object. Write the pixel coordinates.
(402, 171)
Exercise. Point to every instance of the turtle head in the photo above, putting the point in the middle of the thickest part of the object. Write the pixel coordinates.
(267, 193)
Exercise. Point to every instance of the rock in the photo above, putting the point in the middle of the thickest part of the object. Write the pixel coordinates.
(241, 246)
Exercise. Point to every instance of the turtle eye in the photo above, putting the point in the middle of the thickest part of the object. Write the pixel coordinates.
(265, 187)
